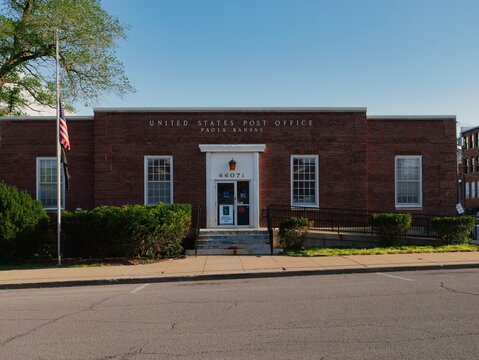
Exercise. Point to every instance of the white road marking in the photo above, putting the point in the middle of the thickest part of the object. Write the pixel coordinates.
(139, 288)
(396, 277)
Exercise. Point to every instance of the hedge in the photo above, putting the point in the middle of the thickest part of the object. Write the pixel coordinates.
(23, 223)
(134, 230)
(293, 232)
(391, 227)
(453, 230)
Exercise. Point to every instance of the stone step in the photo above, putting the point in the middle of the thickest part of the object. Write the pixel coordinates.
(232, 238)
(239, 242)
(204, 252)
(230, 252)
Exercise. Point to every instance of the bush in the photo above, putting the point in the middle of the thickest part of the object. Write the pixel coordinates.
(453, 230)
(137, 230)
(23, 223)
(391, 227)
(293, 232)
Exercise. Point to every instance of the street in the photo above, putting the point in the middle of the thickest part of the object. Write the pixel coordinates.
(401, 315)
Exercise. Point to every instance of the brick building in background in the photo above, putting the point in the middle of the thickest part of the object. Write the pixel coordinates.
(469, 169)
(236, 161)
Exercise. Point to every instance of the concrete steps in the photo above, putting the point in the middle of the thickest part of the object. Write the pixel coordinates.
(232, 242)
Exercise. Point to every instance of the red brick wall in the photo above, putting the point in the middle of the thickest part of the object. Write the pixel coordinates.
(356, 155)
(22, 141)
(435, 140)
(123, 139)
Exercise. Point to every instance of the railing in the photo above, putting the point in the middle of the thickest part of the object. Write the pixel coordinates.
(270, 229)
(342, 220)
(197, 229)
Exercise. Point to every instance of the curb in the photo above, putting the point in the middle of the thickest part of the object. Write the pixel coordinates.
(234, 276)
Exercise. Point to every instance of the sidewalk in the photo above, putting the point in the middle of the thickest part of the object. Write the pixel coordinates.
(224, 267)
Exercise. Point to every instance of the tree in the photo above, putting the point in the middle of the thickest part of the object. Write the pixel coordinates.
(88, 61)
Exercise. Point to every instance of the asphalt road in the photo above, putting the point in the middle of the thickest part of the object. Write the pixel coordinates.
(403, 315)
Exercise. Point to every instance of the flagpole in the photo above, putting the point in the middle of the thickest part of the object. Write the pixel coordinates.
(59, 200)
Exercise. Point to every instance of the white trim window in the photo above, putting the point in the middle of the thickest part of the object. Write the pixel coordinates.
(408, 187)
(47, 183)
(305, 180)
(467, 191)
(473, 190)
(158, 180)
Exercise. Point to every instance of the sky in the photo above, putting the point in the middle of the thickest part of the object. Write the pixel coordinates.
(407, 57)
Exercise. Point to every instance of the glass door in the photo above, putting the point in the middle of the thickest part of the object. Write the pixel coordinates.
(226, 203)
(233, 203)
(242, 203)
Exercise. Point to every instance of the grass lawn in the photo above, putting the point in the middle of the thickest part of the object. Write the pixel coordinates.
(381, 250)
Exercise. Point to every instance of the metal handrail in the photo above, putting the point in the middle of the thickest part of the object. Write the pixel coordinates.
(197, 230)
(270, 229)
(343, 220)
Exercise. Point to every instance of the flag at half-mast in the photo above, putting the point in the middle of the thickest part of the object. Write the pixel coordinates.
(64, 140)
(65, 143)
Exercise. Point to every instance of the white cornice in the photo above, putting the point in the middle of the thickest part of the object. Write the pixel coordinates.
(43, 118)
(232, 147)
(411, 117)
(233, 109)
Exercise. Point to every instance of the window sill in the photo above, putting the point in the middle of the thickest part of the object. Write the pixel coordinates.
(413, 208)
(305, 206)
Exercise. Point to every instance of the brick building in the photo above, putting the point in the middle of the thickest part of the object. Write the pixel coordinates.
(469, 176)
(236, 161)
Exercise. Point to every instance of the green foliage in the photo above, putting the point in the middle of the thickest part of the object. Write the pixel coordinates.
(453, 230)
(23, 223)
(293, 232)
(391, 227)
(109, 231)
(381, 250)
(88, 61)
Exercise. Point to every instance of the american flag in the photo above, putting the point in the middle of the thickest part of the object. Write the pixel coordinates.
(64, 140)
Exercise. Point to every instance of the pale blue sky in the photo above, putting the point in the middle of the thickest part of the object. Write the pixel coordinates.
(393, 57)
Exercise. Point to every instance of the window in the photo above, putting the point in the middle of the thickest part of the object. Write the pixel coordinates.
(408, 181)
(304, 180)
(472, 166)
(473, 190)
(472, 141)
(467, 191)
(47, 183)
(158, 180)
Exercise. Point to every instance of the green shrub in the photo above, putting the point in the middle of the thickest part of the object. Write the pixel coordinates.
(391, 227)
(136, 230)
(293, 232)
(23, 223)
(453, 230)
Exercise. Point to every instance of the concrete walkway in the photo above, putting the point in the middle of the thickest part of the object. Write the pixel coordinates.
(217, 267)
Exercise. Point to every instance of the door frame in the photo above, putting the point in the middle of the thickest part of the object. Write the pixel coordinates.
(252, 150)
(235, 204)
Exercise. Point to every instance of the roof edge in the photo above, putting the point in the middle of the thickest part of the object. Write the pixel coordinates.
(232, 109)
(46, 117)
(469, 129)
(411, 117)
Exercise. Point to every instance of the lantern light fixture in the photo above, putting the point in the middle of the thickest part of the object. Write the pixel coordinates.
(232, 165)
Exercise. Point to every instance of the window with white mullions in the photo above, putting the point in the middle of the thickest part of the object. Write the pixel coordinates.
(408, 181)
(47, 183)
(304, 180)
(158, 180)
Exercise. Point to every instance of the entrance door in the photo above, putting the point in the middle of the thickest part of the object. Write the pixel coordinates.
(242, 203)
(226, 203)
(233, 203)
